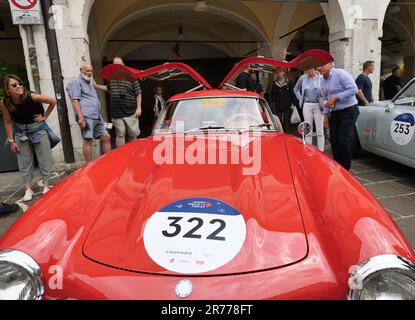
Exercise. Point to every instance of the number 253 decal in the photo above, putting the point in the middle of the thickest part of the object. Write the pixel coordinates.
(402, 128)
(192, 233)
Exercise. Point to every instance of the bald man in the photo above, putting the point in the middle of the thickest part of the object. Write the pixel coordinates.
(88, 111)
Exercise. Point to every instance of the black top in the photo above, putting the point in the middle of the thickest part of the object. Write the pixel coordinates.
(244, 81)
(258, 88)
(123, 95)
(364, 83)
(283, 96)
(26, 111)
(389, 86)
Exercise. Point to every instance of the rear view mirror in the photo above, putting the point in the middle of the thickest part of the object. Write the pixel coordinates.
(390, 107)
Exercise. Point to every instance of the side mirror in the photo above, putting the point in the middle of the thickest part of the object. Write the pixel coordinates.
(304, 128)
(390, 107)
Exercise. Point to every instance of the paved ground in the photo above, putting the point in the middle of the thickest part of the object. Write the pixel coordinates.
(12, 190)
(391, 183)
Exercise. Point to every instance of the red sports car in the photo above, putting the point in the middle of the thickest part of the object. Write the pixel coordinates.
(218, 203)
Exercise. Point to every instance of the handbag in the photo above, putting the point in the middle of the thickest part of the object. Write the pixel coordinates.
(295, 117)
(53, 137)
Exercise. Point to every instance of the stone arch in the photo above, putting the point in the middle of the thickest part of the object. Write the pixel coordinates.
(344, 14)
(79, 14)
(355, 28)
(308, 26)
(232, 16)
(334, 16)
(288, 21)
(87, 11)
(399, 28)
(124, 49)
(408, 45)
(279, 46)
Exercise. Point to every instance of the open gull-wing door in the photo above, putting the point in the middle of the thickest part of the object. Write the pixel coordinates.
(118, 72)
(158, 73)
(313, 57)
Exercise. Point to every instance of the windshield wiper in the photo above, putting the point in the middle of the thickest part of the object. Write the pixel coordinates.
(260, 125)
(206, 128)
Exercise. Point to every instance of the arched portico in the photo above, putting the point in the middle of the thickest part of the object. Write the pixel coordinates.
(355, 29)
(404, 40)
(219, 27)
(233, 28)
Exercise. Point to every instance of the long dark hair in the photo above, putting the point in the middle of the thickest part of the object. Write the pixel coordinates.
(4, 83)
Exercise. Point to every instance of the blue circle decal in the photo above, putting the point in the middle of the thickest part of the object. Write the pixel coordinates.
(402, 129)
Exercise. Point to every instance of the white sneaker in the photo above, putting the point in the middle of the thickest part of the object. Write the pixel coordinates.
(28, 195)
(45, 189)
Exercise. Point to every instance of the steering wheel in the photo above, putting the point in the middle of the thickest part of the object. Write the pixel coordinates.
(240, 115)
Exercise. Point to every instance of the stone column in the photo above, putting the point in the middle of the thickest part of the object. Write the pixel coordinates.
(355, 29)
(46, 83)
(351, 48)
(73, 44)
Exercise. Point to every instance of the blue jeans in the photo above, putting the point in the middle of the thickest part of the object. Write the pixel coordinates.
(341, 128)
(94, 129)
(23, 130)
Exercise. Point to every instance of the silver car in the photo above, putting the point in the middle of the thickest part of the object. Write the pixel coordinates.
(386, 128)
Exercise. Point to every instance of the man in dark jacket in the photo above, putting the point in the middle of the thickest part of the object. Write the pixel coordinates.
(283, 97)
(244, 81)
(393, 84)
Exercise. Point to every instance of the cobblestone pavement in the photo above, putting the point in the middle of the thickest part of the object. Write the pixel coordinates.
(391, 183)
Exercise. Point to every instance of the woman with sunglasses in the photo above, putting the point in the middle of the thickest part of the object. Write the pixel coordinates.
(24, 121)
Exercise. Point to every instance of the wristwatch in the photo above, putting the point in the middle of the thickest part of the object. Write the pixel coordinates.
(10, 140)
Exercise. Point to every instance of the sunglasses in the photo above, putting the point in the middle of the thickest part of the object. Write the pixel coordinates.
(15, 84)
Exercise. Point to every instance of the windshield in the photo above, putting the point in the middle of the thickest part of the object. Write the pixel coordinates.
(226, 113)
(407, 98)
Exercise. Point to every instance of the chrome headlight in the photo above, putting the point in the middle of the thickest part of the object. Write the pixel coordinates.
(20, 277)
(384, 277)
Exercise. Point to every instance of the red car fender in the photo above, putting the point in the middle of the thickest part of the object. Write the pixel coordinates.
(347, 221)
(49, 231)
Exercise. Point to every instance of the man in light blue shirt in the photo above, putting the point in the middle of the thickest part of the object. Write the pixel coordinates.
(341, 111)
(88, 111)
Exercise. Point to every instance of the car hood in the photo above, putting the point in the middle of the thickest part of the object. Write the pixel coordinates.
(205, 219)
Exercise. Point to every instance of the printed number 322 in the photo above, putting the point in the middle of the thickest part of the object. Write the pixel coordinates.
(192, 233)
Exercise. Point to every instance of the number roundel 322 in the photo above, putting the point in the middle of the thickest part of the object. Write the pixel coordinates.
(194, 235)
